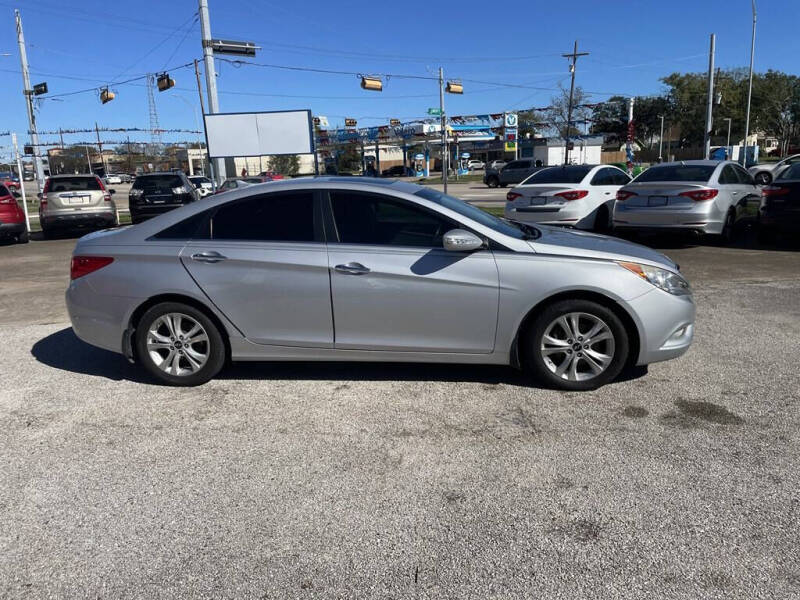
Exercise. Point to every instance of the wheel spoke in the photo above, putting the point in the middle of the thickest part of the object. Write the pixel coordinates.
(200, 337)
(568, 360)
(161, 339)
(564, 334)
(158, 346)
(597, 328)
(557, 350)
(605, 335)
(602, 360)
(574, 323)
(596, 367)
(165, 364)
(553, 341)
(573, 369)
(175, 365)
(194, 359)
(167, 320)
(178, 353)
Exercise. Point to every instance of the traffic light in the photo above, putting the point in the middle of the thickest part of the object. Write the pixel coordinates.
(350, 122)
(454, 87)
(164, 82)
(106, 95)
(372, 83)
(40, 88)
(394, 122)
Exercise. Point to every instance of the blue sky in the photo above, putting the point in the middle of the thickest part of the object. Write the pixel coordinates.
(632, 45)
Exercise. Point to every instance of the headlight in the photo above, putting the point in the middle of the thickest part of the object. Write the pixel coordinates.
(661, 278)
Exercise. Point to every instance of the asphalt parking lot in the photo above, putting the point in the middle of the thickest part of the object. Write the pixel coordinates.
(358, 480)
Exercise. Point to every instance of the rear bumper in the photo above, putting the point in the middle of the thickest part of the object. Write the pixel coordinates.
(547, 215)
(701, 219)
(97, 319)
(11, 229)
(97, 218)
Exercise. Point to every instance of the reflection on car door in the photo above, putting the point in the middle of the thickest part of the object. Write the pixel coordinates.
(749, 198)
(264, 265)
(394, 287)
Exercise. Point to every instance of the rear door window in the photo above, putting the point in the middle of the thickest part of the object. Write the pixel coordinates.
(744, 177)
(74, 184)
(282, 217)
(728, 176)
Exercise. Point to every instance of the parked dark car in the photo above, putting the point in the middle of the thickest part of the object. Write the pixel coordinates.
(156, 193)
(514, 172)
(12, 218)
(396, 171)
(779, 213)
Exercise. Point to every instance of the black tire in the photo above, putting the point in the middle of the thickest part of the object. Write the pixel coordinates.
(23, 238)
(534, 362)
(728, 235)
(215, 348)
(492, 182)
(48, 233)
(602, 220)
(503, 184)
(766, 236)
(763, 178)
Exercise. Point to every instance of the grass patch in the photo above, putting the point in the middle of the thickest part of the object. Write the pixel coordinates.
(471, 178)
(497, 211)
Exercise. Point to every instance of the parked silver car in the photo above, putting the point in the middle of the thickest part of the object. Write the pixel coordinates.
(76, 201)
(336, 268)
(702, 196)
(764, 173)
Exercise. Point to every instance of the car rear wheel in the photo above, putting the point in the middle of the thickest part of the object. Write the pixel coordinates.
(729, 228)
(763, 178)
(492, 182)
(179, 345)
(23, 238)
(575, 345)
(602, 220)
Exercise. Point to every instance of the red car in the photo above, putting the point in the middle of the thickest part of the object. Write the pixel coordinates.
(272, 175)
(9, 180)
(12, 218)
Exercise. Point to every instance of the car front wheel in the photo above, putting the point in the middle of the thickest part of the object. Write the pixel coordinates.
(179, 345)
(575, 345)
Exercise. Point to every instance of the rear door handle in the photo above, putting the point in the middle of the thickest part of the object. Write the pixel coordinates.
(352, 268)
(208, 257)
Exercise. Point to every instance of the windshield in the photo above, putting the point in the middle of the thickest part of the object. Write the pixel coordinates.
(504, 226)
(700, 173)
(559, 175)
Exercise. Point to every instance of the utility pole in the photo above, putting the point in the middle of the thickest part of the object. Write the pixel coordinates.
(22, 183)
(445, 152)
(202, 111)
(28, 93)
(88, 160)
(710, 103)
(573, 59)
(218, 166)
(100, 147)
(750, 86)
(661, 139)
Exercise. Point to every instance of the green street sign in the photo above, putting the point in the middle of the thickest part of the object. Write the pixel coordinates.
(435, 111)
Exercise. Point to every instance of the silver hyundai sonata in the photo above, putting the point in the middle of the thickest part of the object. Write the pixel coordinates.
(343, 269)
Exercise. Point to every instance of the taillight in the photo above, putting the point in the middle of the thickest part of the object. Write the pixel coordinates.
(6, 199)
(700, 195)
(573, 194)
(773, 190)
(83, 265)
(106, 196)
(511, 196)
(623, 195)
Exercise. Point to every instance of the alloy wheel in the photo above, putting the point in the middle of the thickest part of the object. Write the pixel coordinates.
(177, 344)
(577, 346)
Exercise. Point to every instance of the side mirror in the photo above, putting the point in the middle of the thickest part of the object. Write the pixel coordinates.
(39, 195)
(461, 240)
(112, 192)
(16, 193)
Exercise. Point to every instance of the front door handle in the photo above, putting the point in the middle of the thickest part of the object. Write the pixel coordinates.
(352, 268)
(208, 257)
(734, 193)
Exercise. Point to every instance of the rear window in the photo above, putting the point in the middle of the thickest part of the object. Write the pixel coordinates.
(4, 191)
(157, 182)
(700, 173)
(559, 175)
(74, 184)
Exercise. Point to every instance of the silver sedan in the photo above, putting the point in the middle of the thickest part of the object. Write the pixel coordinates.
(338, 269)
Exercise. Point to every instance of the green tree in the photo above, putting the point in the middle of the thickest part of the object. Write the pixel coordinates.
(286, 164)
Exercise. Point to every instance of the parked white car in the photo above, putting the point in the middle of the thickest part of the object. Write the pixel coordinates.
(203, 185)
(476, 165)
(765, 173)
(580, 196)
(112, 179)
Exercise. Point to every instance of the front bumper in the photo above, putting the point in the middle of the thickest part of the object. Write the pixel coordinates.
(700, 218)
(666, 325)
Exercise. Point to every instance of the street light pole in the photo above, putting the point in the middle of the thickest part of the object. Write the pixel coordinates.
(661, 139)
(728, 145)
(28, 92)
(445, 152)
(749, 86)
(710, 104)
(211, 79)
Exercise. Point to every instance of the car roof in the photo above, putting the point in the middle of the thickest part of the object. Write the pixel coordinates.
(67, 175)
(699, 162)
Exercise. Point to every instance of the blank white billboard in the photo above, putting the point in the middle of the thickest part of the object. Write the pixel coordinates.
(259, 134)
